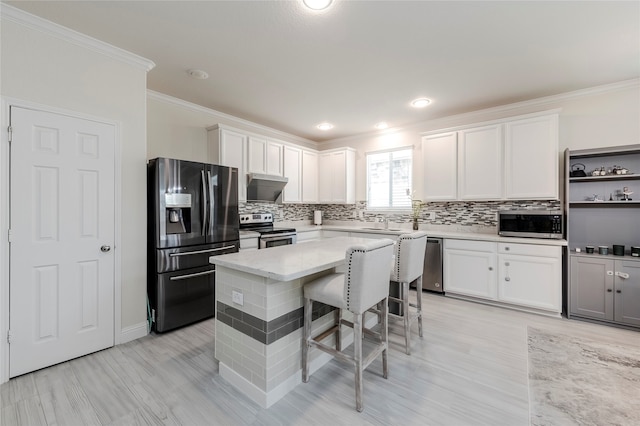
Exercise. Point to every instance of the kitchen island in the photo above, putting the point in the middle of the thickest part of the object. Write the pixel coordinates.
(259, 314)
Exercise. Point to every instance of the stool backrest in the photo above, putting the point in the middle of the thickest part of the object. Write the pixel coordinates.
(409, 256)
(367, 277)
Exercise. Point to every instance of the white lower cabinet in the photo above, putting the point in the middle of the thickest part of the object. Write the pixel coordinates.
(470, 268)
(308, 236)
(528, 275)
(249, 243)
(332, 234)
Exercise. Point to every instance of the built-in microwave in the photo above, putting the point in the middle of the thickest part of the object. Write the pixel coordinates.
(531, 223)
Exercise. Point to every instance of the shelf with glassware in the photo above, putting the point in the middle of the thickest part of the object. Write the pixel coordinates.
(603, 177)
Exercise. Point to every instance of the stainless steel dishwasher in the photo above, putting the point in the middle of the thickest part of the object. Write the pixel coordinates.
(431, 275)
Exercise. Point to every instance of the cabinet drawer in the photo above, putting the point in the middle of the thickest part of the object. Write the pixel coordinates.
(484, 246)
(529, 250)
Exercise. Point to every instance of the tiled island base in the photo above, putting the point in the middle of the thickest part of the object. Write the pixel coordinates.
(258, 344)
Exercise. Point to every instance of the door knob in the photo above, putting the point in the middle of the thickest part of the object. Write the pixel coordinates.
(105, 249)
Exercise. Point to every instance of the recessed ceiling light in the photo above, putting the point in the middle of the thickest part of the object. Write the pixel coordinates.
(198, 74)
(381, 125)
(325, 126)
(317, 4)
(420, 102)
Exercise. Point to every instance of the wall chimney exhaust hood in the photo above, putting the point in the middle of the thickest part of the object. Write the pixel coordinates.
(265, 188)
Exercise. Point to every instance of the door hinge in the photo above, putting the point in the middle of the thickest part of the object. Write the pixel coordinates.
(10, 130)
(9, 336)
(153, 315)
(9, 235)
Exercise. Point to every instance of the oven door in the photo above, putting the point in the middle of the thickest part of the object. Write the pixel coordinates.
(275, 240)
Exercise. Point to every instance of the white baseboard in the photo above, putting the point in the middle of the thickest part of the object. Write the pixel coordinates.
(133, 332)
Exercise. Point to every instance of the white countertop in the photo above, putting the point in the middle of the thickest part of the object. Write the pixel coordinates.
(435, 233)
(441, 231)
(286, 263)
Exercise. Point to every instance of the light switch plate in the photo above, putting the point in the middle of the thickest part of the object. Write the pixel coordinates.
(237, 297)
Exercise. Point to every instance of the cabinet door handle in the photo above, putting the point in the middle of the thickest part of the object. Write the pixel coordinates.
(506, 249)
(506, 263)
(618, 291)
(490, 268)
(507, 279)
(609, 290)
(610, 273)
(622, 275)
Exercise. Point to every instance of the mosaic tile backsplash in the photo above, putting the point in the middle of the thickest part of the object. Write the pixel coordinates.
(464, 213)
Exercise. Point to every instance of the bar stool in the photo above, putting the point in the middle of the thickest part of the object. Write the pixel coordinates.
(408, 266)
(365, 284)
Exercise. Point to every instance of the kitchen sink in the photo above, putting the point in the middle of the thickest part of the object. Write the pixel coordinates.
(382, 229)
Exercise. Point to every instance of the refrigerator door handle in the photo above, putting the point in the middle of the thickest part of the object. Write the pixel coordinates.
(188, 253)
(211, 201)
(204, 203)
(186, 277)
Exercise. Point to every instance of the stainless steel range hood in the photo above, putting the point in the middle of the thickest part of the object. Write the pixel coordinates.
(265, 188)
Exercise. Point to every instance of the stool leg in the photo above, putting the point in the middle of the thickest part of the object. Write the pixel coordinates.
(419, 304)
(338, 318)
(308, 304)
(357, 351)
(384, 336)
(405, 313)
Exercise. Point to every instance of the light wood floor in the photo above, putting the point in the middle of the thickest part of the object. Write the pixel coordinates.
(470, 368)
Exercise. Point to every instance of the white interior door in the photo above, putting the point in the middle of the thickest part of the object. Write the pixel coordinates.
(62, 234)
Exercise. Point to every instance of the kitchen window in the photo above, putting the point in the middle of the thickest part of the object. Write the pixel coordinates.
(389, 179)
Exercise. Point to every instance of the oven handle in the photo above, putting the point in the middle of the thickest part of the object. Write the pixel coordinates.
(278, 237)
(202, 251)
(197, 274)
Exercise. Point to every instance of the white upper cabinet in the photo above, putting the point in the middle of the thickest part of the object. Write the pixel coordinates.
(440, 165)
(514, 159)
(228, 147)
(293, 171)
(265, 156)
(309, 177)
(336, 175)
(531, 158)
(275, 155)
(480, 166)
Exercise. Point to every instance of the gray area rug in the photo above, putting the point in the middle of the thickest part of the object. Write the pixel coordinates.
(574, 381)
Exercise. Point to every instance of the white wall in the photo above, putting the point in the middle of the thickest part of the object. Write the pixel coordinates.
(598, 117)
(46, 69)
(177, 129)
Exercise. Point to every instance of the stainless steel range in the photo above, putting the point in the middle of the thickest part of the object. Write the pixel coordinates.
(269, 236)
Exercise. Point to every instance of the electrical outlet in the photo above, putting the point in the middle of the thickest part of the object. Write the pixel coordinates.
(361, 215)
(432, 215)
(355, 214)
(237, 297)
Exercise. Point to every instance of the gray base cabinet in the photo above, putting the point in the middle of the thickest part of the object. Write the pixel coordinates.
(605, 288)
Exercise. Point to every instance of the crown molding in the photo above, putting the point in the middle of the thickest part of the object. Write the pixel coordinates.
(18, 16)
(514, 108)
(157, 96)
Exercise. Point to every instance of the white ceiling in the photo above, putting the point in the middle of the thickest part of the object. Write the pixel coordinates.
(360, 62)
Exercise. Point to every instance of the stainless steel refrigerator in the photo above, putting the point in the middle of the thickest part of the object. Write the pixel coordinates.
(192, 215)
